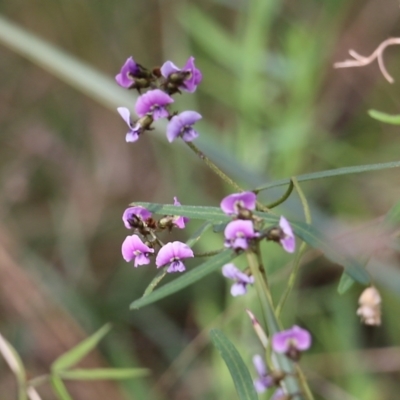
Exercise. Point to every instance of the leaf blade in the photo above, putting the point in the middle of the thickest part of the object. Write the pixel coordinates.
(73, 356)
(104, 373)
(59, 388)
(239, 372)
(188, 278)
(383, 117)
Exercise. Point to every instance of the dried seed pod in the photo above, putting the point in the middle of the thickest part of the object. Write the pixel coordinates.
(370, 307)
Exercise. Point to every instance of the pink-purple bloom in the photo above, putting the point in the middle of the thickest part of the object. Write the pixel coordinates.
(134, 130)
(127, 73)
(172, 253)
(153, 102)
(233, 203)
(134, 249)
(287, 240)
(187, 78)
(181, 125)
(264, 380)
(279, 394)
(238, 233)
(135, 214)
(178, 221)
(241, 279)
(292, 340)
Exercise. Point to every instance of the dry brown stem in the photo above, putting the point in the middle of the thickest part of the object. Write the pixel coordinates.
(360, 61)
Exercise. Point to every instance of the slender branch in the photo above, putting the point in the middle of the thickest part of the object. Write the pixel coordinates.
(208, 253)
(284, 197)
(361, 61)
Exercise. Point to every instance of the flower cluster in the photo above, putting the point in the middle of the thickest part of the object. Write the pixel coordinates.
(153, 105)
(290, 342)
(244, 230)
(134, 249)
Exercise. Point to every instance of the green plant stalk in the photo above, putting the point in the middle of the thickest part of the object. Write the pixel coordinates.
(283, 198)
(306, 208)
(220, 173)
(291, 382)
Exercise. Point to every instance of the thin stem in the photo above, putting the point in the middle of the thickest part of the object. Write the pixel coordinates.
(284, 197)
(39, 380)
(303, 199)
(303, 382)
(220, 173)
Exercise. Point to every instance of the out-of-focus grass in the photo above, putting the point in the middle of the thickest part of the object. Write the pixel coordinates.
(271, 97)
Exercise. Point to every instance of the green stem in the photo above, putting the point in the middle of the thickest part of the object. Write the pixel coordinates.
(284, 364)
(220, 173)
(39, 380)
(283, 198)
(303, 199)
(208, 253)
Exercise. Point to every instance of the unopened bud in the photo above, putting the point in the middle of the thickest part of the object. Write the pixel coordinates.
(370, 306)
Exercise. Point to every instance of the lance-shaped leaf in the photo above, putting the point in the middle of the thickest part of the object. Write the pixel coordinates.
(14, 361)
(104, 373)
(76, 354)
(237, 368)
(59, 388)
(186, 279)
(383, 117)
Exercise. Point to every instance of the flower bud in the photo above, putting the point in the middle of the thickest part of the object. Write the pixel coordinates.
(370, 307)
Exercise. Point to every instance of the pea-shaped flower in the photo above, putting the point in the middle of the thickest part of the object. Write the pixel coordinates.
(135, 215)
(238, 234)
(129, 70)
(134, 249)
(235, 202)
(241, 279)
(172, 253)
(291, 342)
(264, 380)
(181, 125)
(154, 103)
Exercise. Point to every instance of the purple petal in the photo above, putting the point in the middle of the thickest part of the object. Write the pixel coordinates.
(239, 228)
(259, 385)
(302, 337)
(131, 137)
(125, 114)
(279, 394)
(229, 271)
(153, 101)
(180, 125)
(168, 68)
(288, 242)
(194, 78)
(132, 247)
(138, 211)
(129, 69)
(259, 365)
(176, 266)
(232, 203)
(142, 259)
(173, 251)
(238, 289)
(240, 243)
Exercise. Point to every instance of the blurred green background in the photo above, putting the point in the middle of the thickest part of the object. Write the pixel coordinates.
(273, 107)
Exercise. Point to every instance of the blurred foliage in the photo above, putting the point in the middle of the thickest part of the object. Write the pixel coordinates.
(273, 107)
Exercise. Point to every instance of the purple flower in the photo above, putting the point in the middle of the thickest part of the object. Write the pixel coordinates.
(153, 102)
(133, 215)
(287, 239)
(186, 78)
(134, 131)
(179, 221)
(126, 76)
(291, 342)
(279, 394)
(238, 234)
(172, 253)
(241, 279)
(181, 125)
(233, 203)
(134, 249)
(264, 380)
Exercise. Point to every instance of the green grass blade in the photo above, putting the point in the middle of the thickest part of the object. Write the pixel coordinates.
(59, 388)
(16, 365)
(383, 117)
(237, 368)
(346, 282)
(104, 373)
(188, 278)
(64, 66)
(76, 354)
(331, 173)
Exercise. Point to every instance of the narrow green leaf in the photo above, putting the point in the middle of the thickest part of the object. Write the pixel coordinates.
(104, 373)
(76, 354)
(197, 235)
(392, 217)
(15, 363)
(346, 282)
(59, 388)
(331, 173)
(316, 239)
(237, 368)
(383, 117)
(186, 279)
